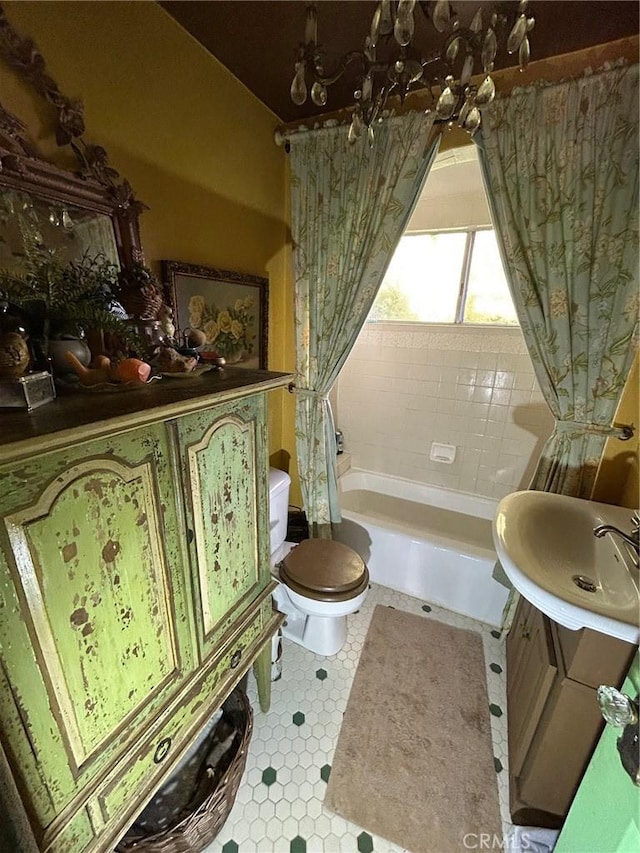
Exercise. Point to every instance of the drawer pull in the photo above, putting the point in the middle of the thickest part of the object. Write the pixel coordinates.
(235, 658)
(621, 711)
(162, 750)
(189, 535)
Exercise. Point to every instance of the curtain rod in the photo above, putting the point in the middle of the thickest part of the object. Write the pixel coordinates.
(281, 135)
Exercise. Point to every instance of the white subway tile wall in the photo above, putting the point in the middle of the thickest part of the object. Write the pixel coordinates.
(403, 387)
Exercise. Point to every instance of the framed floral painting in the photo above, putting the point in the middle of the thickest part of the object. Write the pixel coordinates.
(231, 308)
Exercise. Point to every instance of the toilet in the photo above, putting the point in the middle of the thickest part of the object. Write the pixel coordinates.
(320, 581)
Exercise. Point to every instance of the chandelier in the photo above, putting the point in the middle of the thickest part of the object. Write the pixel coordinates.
(391, 64)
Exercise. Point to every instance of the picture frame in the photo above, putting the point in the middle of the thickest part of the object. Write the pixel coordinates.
(231, 308)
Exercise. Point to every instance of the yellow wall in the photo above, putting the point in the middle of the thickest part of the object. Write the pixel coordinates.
(196, 146)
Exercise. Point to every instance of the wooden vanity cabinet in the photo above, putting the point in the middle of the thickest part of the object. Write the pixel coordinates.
(554, 721)
(135, 591)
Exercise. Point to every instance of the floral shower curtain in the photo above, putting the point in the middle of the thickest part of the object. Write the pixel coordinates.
(349, 207)
(560, 165)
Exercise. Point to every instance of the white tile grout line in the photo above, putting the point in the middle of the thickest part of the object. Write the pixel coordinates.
(279, 806)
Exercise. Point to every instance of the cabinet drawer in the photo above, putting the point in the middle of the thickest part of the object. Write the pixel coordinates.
(71, 836)
(593, 658)
(147, 766)
(135, 781)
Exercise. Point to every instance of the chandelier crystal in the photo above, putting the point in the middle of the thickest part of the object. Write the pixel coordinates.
(390, 63)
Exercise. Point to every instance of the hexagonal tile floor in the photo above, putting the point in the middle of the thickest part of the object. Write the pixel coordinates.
(279, 807)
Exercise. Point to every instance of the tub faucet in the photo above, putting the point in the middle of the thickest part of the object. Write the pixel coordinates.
(632, 539)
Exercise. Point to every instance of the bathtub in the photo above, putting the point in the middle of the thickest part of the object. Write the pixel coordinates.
(431, 543)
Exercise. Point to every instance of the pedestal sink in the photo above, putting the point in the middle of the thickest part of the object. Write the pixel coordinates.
(546, 545)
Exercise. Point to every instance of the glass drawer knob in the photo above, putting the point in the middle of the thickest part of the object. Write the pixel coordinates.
(617, 708)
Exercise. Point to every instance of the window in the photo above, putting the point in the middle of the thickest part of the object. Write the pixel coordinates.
(446, 277)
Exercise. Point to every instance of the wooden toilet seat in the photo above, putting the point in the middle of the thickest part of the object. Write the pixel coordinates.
(324, 570)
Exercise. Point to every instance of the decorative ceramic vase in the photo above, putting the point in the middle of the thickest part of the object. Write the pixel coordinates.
(14, 355)
(14, 350)
(57, 350)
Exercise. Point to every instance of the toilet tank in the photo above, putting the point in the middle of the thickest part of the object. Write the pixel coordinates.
(279, 483)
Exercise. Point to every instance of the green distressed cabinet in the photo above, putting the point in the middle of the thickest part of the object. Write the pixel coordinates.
(220, 458)
(135, 592)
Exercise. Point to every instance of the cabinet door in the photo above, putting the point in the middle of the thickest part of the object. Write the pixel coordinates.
(531, 669)
(224, 456)
(569, 730)
(94, 634)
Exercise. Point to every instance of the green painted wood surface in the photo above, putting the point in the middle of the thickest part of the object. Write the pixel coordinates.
(226, 465)
(120, 795)
(76, 835)
(262, 672)
(100, 595)
(605, 814)
(95, 627)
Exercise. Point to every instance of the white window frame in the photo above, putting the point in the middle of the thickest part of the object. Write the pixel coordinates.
(463, 284)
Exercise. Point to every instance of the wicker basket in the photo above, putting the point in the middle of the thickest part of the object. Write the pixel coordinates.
(142, 303)
(199, 826)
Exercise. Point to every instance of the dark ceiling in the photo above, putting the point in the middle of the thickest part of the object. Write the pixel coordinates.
(257, 39)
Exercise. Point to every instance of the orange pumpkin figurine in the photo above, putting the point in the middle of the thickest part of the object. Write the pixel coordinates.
(131, 370)
(128, 370)
(90, 375)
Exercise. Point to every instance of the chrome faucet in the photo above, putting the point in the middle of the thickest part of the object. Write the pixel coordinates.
(632, 539)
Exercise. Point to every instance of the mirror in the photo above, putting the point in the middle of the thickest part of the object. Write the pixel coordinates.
(67, 230)
(91, 210)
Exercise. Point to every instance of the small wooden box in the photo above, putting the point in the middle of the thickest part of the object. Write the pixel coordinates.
(28, 392)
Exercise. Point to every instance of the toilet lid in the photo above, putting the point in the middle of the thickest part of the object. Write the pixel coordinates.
(323, 565)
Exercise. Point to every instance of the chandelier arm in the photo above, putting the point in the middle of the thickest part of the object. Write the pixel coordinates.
(471, 39)
(383, 97)
(343, 64)
(425, 82)
(400, 69)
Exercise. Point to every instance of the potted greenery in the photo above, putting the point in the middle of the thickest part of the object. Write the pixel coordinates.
(63, 301)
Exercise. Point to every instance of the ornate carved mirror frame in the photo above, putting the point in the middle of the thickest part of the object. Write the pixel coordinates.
(96, 185)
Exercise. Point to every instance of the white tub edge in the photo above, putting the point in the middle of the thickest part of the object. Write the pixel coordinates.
(398, 487)
(475, 552)
(434, 568)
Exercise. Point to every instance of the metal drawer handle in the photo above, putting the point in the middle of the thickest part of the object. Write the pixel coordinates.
(235, 658)
(162, 750)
